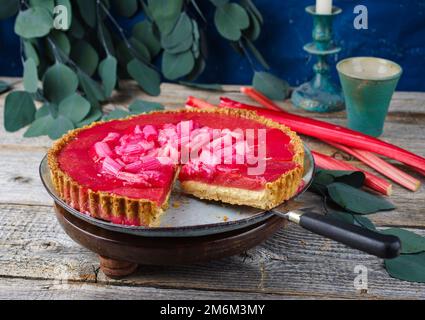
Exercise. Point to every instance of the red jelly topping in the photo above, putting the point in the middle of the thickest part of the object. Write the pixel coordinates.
(138, 158)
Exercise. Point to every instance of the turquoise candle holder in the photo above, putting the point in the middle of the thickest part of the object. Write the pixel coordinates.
(320, 94)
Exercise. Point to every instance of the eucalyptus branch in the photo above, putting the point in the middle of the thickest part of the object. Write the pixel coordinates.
(133, 52)
(100, 26)
(198, 10)
(246, 53)
(55, 50)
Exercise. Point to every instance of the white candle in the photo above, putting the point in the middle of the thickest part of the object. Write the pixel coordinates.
(323, 6)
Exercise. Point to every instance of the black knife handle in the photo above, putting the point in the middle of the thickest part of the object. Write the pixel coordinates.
(377, 244)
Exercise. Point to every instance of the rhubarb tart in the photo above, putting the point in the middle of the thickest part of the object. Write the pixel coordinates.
(124, 170)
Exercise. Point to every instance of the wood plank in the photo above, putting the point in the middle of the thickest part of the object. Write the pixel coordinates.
(18, 289)
(291, 263)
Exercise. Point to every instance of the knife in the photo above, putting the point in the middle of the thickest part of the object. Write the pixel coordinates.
(369, 241)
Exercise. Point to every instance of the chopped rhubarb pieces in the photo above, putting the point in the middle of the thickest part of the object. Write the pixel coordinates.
(144, 155)
(133, 178)
(150, 133)
(110, 166)
(112, 137)
(102, 149)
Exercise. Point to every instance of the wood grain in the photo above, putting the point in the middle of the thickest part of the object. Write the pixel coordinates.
(294, 262)
(39, 261)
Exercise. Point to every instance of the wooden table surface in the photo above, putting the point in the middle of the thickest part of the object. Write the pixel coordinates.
(39, 261)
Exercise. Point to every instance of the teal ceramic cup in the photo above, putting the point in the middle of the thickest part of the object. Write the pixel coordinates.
(368, 84)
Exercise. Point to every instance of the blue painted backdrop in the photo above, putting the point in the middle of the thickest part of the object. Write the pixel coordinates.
(396, 31)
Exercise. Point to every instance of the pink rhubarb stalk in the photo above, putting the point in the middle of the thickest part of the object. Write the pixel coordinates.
(381, 166)
(371, 181)
(330, 132)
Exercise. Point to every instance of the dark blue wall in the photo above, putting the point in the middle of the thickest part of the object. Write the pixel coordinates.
(396, 31)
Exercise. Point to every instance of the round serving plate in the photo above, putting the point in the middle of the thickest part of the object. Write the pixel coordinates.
(187, 216)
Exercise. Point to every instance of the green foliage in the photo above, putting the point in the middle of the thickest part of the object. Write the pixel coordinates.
(108, 72)
(270, 85)
(344, 201)
(230, 19)
(80, 67)
(34, 22)
(412, 242)
(409, 267)
(59, 82)
(19, 110)
(356, 200)
(30, 76)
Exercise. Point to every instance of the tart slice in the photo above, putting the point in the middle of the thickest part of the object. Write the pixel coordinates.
(123, 171)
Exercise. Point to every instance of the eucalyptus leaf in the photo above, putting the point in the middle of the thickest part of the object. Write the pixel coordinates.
(364, 222)
(175, 66)
(59, 82)
(341, 216)
(88, 11)
(141, 50)
(219, 2)
(254, 30)
(356, 200)
(181, 32)
(33, 23)
(19, 110)
(94, 115)
(124, 55)
(85, 56)
(230, 19)
(30, 76)
(46, 4)
(108, 74)
(147, 78)
(252, 8)
(271, 86)
(165, 13)
(145, 33)
(182, 46)
(61, 41)
(407, 267)
(31, 52)
(197, 69)
(44, 110)
(142, 106)
(9, 8)
(91, 88)
(126, 8)
(59, 127)
(77, 29)
(74, 107)
(40, 127)
(106, 39)
(410, 242)
(116, 114)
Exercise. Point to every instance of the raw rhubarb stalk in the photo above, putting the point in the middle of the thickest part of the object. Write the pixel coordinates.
(371, 181)
(381, 166)
(198, 103)
(260, 98)
(330, 132)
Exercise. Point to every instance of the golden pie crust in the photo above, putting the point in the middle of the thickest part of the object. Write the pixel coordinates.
(111, 207)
